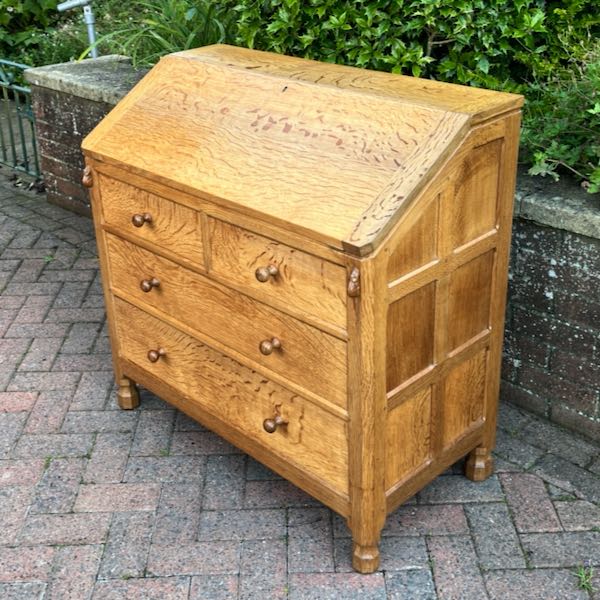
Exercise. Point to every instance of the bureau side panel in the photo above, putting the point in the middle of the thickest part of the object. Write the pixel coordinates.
(446, 287)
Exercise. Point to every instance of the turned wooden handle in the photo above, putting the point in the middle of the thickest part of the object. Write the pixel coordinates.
(154, 355)
(265, 273)
(138, 220)
(266, 347)
(271, 425)
(148, 284)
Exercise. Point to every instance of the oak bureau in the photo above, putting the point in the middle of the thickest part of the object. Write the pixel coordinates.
(311, 260)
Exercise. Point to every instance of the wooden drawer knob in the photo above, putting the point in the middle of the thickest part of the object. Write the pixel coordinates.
(139, 220)
(266, 347)
(271, 425)
(154, 355)
(265, 273)
(148, 284)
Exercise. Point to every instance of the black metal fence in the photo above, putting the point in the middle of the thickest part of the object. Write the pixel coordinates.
(18, 148)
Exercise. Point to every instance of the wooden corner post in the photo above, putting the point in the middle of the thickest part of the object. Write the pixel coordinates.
(127, 395)
(367, 405)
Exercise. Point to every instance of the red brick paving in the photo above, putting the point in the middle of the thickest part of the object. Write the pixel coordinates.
(104, 504)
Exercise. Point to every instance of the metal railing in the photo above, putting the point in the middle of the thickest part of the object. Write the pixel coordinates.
(18, 147)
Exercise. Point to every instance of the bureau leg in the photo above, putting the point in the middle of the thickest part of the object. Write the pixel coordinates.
(365, 549)
(365, 559)
(480, 464)
(128, 395)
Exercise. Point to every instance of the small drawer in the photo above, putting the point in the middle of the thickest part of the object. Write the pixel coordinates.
(298, 352)
(279, 274)
(151, 218)
(290, 426)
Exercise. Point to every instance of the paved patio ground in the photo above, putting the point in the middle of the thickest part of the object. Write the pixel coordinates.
(105, 504)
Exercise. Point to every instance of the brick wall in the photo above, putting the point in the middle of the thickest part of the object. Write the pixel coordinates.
(552, 345)
(69, 99)
(62, 121)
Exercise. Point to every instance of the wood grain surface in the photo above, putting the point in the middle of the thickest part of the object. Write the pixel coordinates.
(342, 149)
(313, 440)
(173, 226)
(309, 357)
(236, 253)
(377, 211)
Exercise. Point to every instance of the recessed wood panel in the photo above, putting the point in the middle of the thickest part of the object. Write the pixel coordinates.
(476, 193)
(469, 302)
(410, 327)
(416, 246)
(408, 437)
(463, 402)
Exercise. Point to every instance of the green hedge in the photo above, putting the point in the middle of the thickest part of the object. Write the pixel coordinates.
(492, 43)
(544, 49)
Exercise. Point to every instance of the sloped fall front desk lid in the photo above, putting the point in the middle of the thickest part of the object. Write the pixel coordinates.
(336, 153)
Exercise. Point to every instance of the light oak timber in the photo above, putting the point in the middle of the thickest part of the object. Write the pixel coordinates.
(236, 255)
(480, 462)
(310, 438)
(307, 356)
(320, 489)
(199, 201)
(419, 478)
(436, 372)
(309, 319)
(479, 103)
(127, 395)
(352, 150)
(170, 225)
(367, 409)
(323, 277)
(217, 345)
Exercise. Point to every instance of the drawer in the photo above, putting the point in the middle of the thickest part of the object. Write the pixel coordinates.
(310, 358)
(313, 439)
(305, 282)
(171, 226)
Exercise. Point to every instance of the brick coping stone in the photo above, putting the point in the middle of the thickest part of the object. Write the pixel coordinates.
(104, 79)
(561, 205)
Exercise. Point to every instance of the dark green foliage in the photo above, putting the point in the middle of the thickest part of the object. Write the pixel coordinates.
(492, 43)
(535, 47)
(21, 21)
(540, 48)
(561, 125)
(159, 27)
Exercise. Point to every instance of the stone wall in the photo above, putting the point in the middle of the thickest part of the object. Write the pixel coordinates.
(68, 101)
(552, 348)
(552, 343)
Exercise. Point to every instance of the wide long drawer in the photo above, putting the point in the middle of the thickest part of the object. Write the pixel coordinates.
(304, 435)
(312, 359)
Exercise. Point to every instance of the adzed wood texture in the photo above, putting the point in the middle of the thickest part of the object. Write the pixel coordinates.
(311, 260)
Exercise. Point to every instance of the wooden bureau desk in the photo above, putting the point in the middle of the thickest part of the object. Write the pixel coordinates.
(311, 260)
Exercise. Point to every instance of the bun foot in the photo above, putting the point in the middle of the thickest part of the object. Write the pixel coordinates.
(128, 396)
(365, 559)
(479, 465)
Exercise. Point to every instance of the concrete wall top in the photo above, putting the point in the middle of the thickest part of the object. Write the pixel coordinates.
(104, 79)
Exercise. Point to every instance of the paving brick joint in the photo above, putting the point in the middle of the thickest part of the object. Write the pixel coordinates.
(98, 503)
